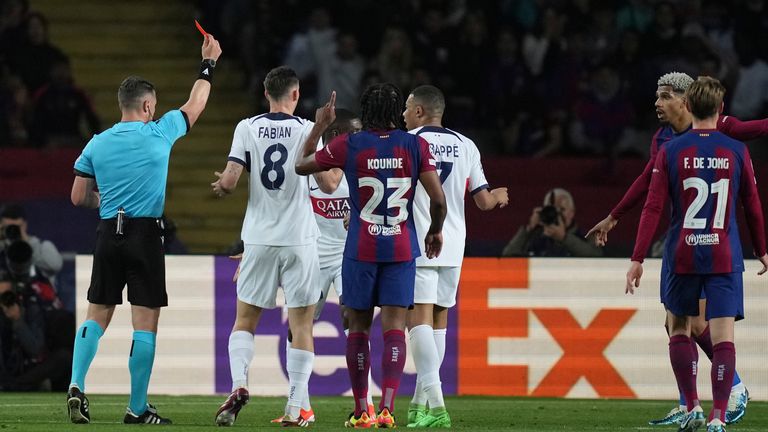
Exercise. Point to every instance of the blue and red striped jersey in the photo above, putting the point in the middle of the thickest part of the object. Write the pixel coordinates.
(704, 173)
(382, 169)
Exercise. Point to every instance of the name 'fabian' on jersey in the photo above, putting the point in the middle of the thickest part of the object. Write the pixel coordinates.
(274, 132)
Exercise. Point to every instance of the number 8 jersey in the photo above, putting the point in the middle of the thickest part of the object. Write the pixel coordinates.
(382, 169)
(279, 210)
(705, 173)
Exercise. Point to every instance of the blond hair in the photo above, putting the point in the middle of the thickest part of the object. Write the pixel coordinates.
(705, 97)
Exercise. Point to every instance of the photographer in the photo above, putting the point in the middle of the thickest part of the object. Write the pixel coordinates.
(552, 231)
(13, 227)
(35, 334)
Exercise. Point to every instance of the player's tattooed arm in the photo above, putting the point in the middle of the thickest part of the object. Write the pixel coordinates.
(227, 181)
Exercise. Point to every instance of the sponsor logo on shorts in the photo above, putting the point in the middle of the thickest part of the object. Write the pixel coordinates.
(702, 239)
(384, 230)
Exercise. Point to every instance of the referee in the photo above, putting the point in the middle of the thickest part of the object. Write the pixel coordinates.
(129, 164)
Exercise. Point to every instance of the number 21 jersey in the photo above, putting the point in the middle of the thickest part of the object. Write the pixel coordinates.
(704, 173)
(279, 211)
(382, 169)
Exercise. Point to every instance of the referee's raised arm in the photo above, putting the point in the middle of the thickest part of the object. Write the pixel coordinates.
(198, 97)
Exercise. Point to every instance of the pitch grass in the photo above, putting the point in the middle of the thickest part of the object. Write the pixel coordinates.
(46, 412)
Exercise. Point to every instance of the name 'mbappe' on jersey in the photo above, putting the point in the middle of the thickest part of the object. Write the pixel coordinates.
(459, 166)
(382, 169)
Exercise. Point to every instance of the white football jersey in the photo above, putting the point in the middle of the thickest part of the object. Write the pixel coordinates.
(460, 169)
(330, 210)
(279, 211)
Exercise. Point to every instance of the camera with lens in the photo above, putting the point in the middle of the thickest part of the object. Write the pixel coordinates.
(12, 233)
(549, 215)
(9, 298)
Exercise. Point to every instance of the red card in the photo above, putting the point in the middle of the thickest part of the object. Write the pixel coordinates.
(199, 27)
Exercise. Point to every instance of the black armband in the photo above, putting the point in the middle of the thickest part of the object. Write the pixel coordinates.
(206, 70)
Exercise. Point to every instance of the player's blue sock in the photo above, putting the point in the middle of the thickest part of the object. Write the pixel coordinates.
(140, 365)
(682, 400)
(736, 379)
(86, 344)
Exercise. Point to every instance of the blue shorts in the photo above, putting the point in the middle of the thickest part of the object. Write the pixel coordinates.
(369, 284)
(724, 293)
(664, 285)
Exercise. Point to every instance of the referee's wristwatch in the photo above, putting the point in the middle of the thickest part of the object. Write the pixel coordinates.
(210, 62)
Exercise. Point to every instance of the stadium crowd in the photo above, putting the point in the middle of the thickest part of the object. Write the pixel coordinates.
(40, 105)
(535, 77)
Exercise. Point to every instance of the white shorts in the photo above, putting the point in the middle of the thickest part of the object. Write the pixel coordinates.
(266, 268)
(328, 276)
(437, 285)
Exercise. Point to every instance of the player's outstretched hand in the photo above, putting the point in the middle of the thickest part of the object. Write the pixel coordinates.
(433, 244)
(633, 277)
(600, 231)
(211, 48)
(763, 259)
(501, 196)
(325, 115)
(217, 189)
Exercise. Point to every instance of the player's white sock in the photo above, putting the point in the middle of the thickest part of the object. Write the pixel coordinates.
(427, 362)
(440, 343)
(305, 404)
(299, 365)
(240, 356)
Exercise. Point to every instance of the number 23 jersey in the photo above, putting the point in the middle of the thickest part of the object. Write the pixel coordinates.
(279, 211)
(382, 169)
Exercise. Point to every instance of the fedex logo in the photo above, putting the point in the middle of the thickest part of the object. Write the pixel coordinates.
(506, 337)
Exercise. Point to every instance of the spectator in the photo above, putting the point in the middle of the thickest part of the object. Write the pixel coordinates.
(552, 231)
(601, 115)
(634, 15)
(34, 62)
(432, 43)
(13, 226)
(750, 97)
(35, 333)
(16, 113)
(12, 15)
(395, 58)
(662, 41)
(60, 109)
(307, 50)
(342, 71)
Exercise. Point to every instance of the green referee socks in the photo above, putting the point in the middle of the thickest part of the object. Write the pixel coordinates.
(86, 344)
(140, 366)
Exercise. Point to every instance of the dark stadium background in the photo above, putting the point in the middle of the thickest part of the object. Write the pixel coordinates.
(555, 93)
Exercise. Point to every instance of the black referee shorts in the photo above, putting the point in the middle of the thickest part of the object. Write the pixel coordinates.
(135, 258)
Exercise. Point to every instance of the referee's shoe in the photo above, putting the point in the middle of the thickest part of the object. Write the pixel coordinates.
(149, 417)
(77, 405)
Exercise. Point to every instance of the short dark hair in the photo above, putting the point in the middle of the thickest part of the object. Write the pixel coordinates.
(381, 107)
(279, 80)
(131, 90)
(13, 211)
(431, 98)
(342, 124)
(704, 97)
